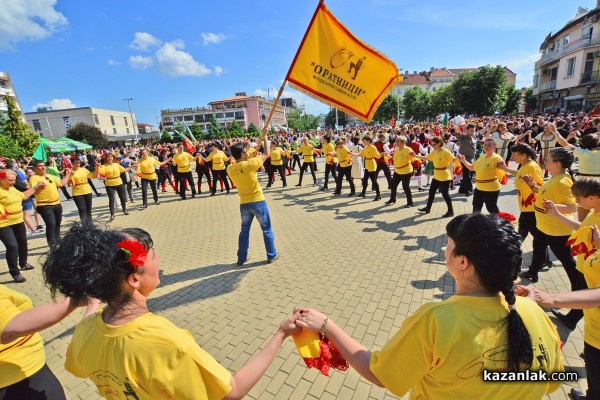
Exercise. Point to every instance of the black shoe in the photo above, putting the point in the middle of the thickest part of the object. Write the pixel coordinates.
(125, 212)
(336, 193)
(468, 194)
(351, 194)
(228, 192)
(424, 210)
(240, 263)
(378, 197)
(315, 184)
(529, 275)
(98, 194)
(420, 189)
(298, 185)
(324, 188)
(212, 194)
(184, 198)
(548, 264)
(577, 394)
(448, 214)
(27, 267)
(194, 195)
(285, 185)
(361, 195)
(272, 260)
(390, 202)
(39, 228)
(112, 218)
(145, 206)
(564, 319)
(157, 202)
(408, 205)
(268, 186)
(19, 278)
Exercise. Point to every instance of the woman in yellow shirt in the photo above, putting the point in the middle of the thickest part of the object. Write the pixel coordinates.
(441, 159)
(125, 348)
(487, 186)
(111, 172)
(147, 166)
(307, 151)
(82, 191)
(445, 348)
(218, 159)
(330, 161)
(371, 154)
(13, 234)
(47, 199)
(403, 156)
(277, 154)
(344, 156)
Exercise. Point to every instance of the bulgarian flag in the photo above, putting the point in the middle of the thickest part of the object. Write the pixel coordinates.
(392, 123)
(318, 352)
(187, 143)
(282, 130)
(444, 119)
(189, 132)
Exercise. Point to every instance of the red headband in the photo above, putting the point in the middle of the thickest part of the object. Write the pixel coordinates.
(134, 251)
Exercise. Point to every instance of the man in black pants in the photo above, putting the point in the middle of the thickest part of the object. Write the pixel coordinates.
(344, 168)
(467, 143)
(330, 164)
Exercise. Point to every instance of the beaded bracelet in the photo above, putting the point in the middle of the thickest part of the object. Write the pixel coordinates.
(324, 326)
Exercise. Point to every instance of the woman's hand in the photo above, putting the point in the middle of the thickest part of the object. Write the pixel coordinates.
(288, 326)
(541, 298)
(310, 319)
(528, 179)
(596, 237)
(501, 165)
(550, 208)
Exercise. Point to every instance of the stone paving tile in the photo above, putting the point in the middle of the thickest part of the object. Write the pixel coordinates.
(367, 265)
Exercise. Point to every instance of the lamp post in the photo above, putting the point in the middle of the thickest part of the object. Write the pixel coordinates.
(128, 100)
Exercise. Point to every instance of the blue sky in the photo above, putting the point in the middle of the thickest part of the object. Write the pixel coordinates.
(184, 53)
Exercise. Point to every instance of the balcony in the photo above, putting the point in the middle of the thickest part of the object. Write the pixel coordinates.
(590, 77)
(544, 87)
(584, 41)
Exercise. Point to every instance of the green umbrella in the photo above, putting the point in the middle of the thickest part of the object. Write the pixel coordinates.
(78, 145)
(58, 146)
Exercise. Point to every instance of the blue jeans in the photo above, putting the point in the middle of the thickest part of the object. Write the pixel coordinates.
(259, 210)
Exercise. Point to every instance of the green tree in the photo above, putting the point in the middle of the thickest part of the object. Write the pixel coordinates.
(330, 119)
(530, 101)
(18, 130)
(480, 92)
(9, 148)
(197, 131)
(89, 134)
(253, 130)
(165, 137)
(387, 109)
(416, 104)
(513, 99)
(441, 101)
(215, 129)
(235, 130)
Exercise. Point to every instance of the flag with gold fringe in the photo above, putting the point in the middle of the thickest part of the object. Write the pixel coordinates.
(335, 67)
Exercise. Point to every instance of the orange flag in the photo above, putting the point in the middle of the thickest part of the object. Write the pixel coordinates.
(392, 122)
(335, 67)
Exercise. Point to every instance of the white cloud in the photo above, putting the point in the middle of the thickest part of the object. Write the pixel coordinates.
(178, 44)
(144, 41)
(56, 104)
(28, 20)
(212, 38)
(140, 62)
(218, 70)
(175, 63)
(113, 62)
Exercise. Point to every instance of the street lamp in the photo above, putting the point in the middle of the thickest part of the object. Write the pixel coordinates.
(128, 100)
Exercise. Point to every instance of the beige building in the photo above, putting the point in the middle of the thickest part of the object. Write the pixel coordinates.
(7, 88)
(244, 109)
(567, 75)
(53, 124)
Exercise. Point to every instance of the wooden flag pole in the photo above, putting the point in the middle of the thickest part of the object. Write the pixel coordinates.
(266, 127)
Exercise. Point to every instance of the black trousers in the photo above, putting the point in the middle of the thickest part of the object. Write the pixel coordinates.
(386, 171)
(217, 175)
(305, 166)
(295, 161)
(489, 198)
(164, 176)
(126, 178)
(52, 216)
(563, 253)
(272, 170)
(444, 187)
(152, 183)
(592, 370)
(466, 185)
(330, 169)
(405, 179)
(120, 191)
(203, 172)
(528, 226)
(14, 239)
(42, 385)
(84, 206)
(344, 172)
(365, 182)
(183, 177)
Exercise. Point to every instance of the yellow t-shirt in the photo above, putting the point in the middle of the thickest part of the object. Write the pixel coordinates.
(79, 181)
(48, 196)
(24, 356)
(592, 219)
(182, 160)
(243, 175)
(147, 168)
(441, 350)
(328, 148)
(531, 168)
(148, 358)
(112, 174)
(371, 154)
(557, 189)
(251, 152)
(486, 178)
(441, 160)
(11, 201)
(218, 160)
(344, 156)
(307, 152)
(402, 161)
(276, 155)
(591, 317)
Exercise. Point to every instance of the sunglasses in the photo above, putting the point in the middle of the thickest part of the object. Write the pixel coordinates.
(48, 179)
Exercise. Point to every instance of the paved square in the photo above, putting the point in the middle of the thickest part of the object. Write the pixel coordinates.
(367, 265)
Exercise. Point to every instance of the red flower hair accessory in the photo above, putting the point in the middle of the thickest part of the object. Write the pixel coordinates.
(2, 175)
(134, 252)
(507, 216)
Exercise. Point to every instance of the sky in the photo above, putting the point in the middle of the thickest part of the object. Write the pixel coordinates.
(184, 53)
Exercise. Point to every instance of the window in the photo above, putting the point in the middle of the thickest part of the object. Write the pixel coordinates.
(96, 119)
(125, 119)
(199, 118)
(188, 117)
(112, 120)
(219, 115)
(127, 130)
(36, 125)
(565, 41)
(114, 130)
(178, 118)
(570, 67)
(535, 80)
(239, 115)
(229, 115)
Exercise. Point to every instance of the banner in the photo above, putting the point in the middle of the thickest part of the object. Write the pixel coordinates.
(335, 67)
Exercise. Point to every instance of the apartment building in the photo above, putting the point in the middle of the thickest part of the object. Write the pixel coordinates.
(7, 88)
(567, 75)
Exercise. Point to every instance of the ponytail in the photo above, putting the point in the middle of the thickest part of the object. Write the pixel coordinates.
(520, 348)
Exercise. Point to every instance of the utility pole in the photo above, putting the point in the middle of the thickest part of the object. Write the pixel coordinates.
(135, 132)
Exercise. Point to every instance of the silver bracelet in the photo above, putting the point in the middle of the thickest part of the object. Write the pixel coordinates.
(324, 326)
